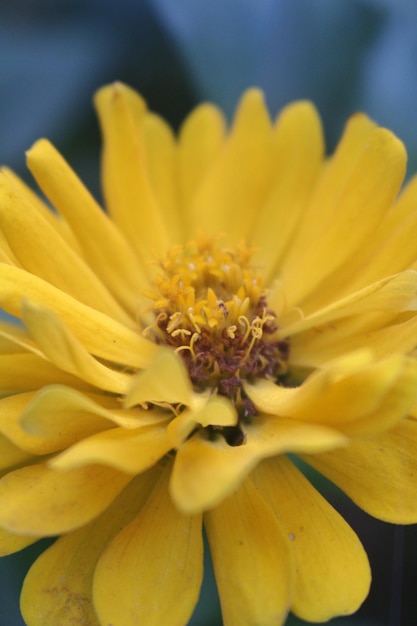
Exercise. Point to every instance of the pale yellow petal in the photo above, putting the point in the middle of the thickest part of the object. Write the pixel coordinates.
(234, 191)
(59, 501)
(100, 334)
(332, 570)
(200, 141)
(104, 247)
(379, 474)
(221, 467)
(252, 560)
(68, 565)
(65, 351)
(298, 144)
(152, 570)
(130, 451)
(129, 196)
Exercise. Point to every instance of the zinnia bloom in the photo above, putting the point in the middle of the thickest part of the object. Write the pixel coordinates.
(242, 303)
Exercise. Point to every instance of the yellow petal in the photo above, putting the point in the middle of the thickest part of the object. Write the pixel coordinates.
(64, 350)
(38, 500)
(379, 474)
(10, 454)
(162, 164)
(298, 143)
(130, 451)
(25, 372)
(332, 569)
(252, 560)
(233, 193)
(200, 141)
(41, 251)
(102, 244)
(348, 391)
(68, 565)
(164, 380)
(217, 411)
(221, 467)
(391, 294)
(10, 542)
(127, 187)
(350, 215)
(151, 572)
(100, 334)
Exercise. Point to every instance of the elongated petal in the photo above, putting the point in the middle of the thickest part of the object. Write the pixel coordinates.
(221, 467)
(162, 164)
(59, 501)
(11, 455)
(351, 393)
(298, 143)
(67, 353)
(68, 565)
(238, 182)
(131, 572)
(100, 334)
(127, 186)
(200, 141)
(252, 560)
(332, 570)
(25, 372)
(394, 293)
(131, 451)
(10, 542)
(379, 474)
(102, 244)
(362, 199)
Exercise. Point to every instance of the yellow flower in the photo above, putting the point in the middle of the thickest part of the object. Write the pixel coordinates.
(242, 299)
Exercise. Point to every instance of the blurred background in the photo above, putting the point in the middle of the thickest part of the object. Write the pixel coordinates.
(346, 56)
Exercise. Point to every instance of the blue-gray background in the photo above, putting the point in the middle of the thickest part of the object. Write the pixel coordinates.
(345, 55)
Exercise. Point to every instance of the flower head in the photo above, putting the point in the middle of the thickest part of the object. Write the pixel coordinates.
(240, 301)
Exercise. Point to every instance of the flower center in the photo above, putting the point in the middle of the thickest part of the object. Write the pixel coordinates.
(210, 305)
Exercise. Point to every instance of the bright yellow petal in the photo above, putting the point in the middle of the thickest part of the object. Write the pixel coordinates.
(252, 560)
(298, 143)
(10, 454)
(130, 451)
(164, 380)
(379, 474)
(352, 394)
(10, 542)
(233, 193)
(200, 141)
(64, 350)
(127, 187)
(221, 467)
(151, 572)
(217, 411)
(392, 294)
(26, 372)
(349, 213)
(102, 244)
(40, 501)
(162, 164)
(68, 565)
(100, 334)
(332, 569)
